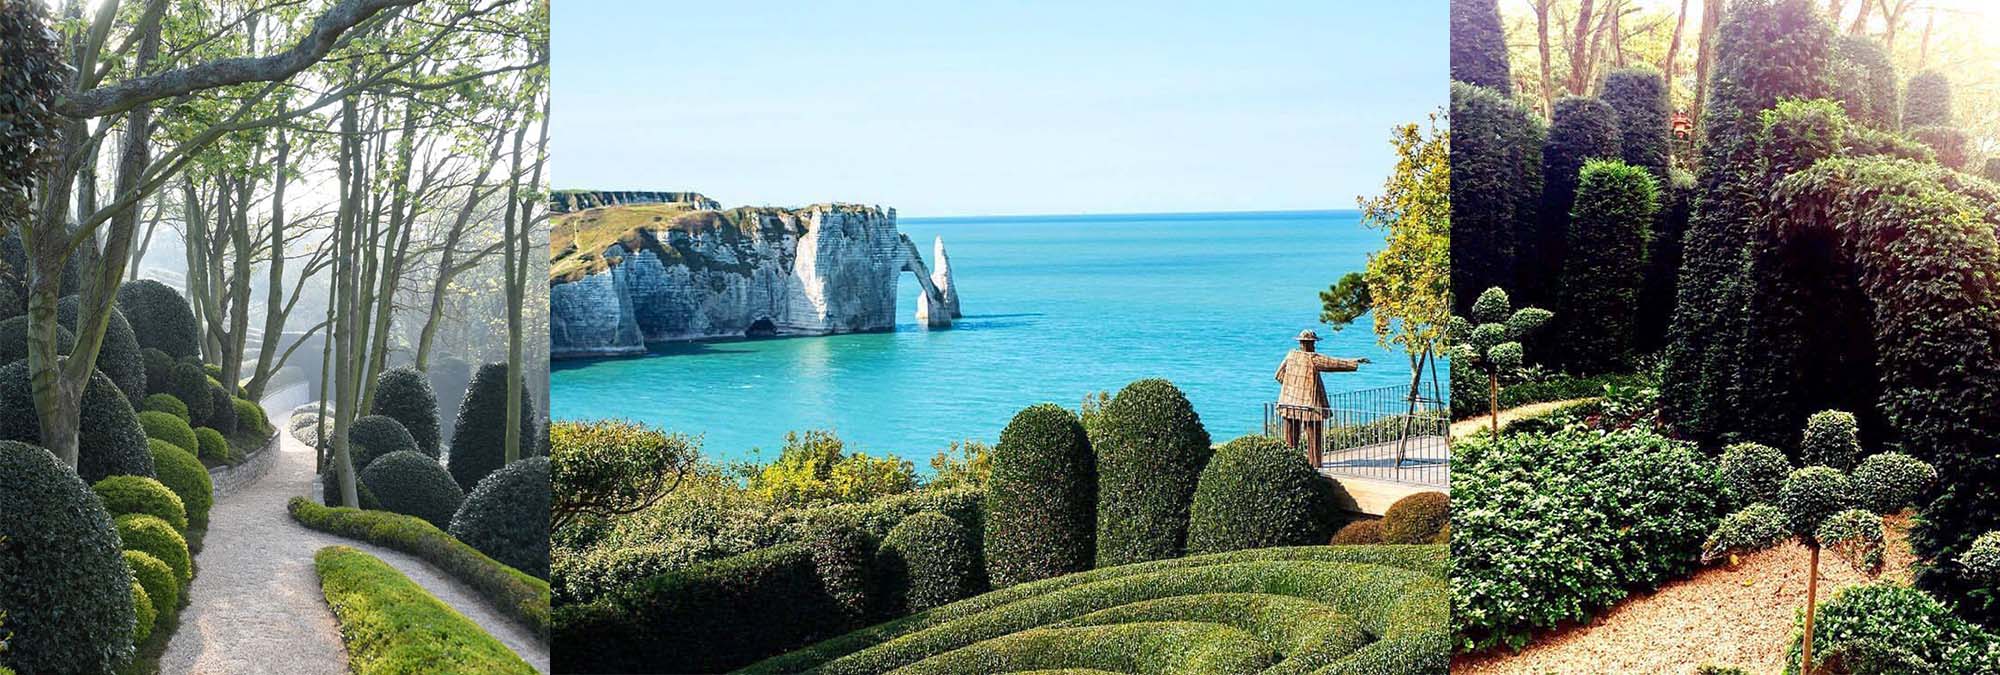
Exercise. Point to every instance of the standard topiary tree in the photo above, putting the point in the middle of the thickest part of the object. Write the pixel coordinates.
(110, 441)
(187, 382)
(1864, 81)
(1756, 527)
(1041, 498)
(1753, 472)
(1151, 448)
(506, 516)
(1639, 97)
(479, 437)
(118, 354)
(210, 445)
(1581, 129)
(1809, 497)
(409, 483)
(157, 577)
(1258, 493)
(1927, 102)
(63, 583)
(404, 394)
(169, 322)
(373, 436)
(1416, 519)
(1490, 342)
(1604, 271)
(166, 403)
(166, 427)
(1889, 482)
(1479, 45)
(1496, 183)
(182, 473)
(137, 494)
(1832, 438)
(925, 561)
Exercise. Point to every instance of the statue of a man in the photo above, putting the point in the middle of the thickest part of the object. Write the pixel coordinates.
(1302, 397)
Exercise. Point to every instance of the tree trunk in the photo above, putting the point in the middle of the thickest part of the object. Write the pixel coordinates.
(1580, 43)
(1812, 607)
(274, 296)
(1711, 17)
(514, 292)
(1860, 24)
(1493, 400)
(1542, 42)
(1674, 49)
(343, 332)
(1924, 46)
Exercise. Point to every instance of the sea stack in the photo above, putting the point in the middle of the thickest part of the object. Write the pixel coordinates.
(941, 277)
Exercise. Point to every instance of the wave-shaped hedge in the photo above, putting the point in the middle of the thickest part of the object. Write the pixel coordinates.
(392, 625)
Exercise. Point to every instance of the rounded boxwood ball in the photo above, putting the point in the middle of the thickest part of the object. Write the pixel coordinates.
(118, 354)
(221, 409)
(211, 445)
(157, 577)
(167, 427)
(1151, 448)
(1832, 438)
(925, 561)
(63, 583)
(1041, 499)
(372, 436)
(1811, 495)
(1358, 532)
(14, 339)
(168, 319)
(404, 394)
(110, 441)
(409, 483)
(182, 473)
(1888, 482)
(165, 403)
(250, 417)
(138, 494)
(479, 436)
(1753, 472)
(186, 381)
(1416, 519)
(1257, 493)
(143, 614)
(506, 516)
(141, 532)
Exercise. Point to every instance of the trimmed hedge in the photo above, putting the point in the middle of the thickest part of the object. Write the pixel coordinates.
(1581, 129)
(1927, 101)
(157, 577)
(1041, 498)
(1151, 449)
(515, 594)
(1753, 472)
(1884, 629)
(404, 394)
(1479, 45)
(166, 315)
(182, 473)
(1639, 96)
(166, 403)
(372, 436)
(123, 495)
(1258, 493)
(1366, 531)
(1888, 482)
(118, 354)
(1603, 270)
(1496, 183)
(158, 366)
(187, 382)
(110, 441)
(925, 561)
(506, 516)
(141, 532)
(213, 447)
(479, 437)
(167, 427)
(844, 558)
(392, 625)
(63, 583)
(1416, 519)
(409, 483)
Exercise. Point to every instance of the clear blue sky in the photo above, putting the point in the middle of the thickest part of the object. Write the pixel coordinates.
(990, 108)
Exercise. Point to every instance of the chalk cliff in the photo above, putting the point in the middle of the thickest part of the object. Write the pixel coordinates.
(663, 270)
(566, 201)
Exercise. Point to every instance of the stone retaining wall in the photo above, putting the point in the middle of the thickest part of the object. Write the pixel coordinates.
(229, 479)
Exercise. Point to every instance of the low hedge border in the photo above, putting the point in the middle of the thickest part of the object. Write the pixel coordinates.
(514, 593)
(392, 625)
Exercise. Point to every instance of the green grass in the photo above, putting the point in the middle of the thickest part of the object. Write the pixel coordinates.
(1315, 609)
(393, 626)
(513, 592)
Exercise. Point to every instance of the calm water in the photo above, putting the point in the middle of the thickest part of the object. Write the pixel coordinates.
(1055, 307)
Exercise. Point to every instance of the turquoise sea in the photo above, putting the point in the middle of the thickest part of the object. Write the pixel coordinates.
(1056, 307)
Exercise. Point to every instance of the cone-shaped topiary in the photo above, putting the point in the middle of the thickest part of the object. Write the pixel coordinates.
(118, 354)
(404, 394)
(506, 516)
(157, 577)
(167, 427)
(409, 483)
(168, 320)
(14, 339)
(1151, 448)
(110, 441)
(373, 436)
(1496, 188)
(141, 532)
(187, 382)
(138, 494)
(1832, 438)
(1479, 45)
(1616, 204)
(1753, 472)
(1257, 493)
(1041, 498)
(63, 583)
(182, 473)
(1416, 519)
(1928, 101)
(479, 436)
(1811, 495)
(166, 403)
(1581, 129)
(210, 445)
(1888, 482)
(925, 561)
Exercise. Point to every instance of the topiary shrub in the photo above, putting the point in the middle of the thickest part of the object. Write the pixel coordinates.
(186, 381)
(1639, 96)
(1758, 526)
(1927, 101)
(409, 483)
(110, 441)
(506, 516)
(479, 436)
(1416, 519)
(1753, 472)
(1479, 45)
(1952, 146)
(1151, 448)
(1832, 438)
(166, 427)
(1496, 187)
(1258, 493)
(1889, 482)
(1981, 560)
(1616, 204)
(211, 445)
(157, 577)
(1855, 536)
(843, 557)
(1885, 629)
(182, 473)
(373, 436)
(1360, 532)
(1041, 498)
(137, 494)
(143, 614)
(405, 395)
(926, 561)
(250, 418)
(166, 403)
(63, 585)
(141, 532)
(14, 339)
(159, 365)
(1581, 129)
(168, 320)
(118, 354)
(330, 492)
(221, 409)
(1810, 496)
(1864, 81)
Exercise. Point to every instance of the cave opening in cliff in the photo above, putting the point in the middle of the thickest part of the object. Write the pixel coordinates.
(761, 328)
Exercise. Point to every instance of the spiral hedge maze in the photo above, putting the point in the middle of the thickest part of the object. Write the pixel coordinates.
(1319, 609)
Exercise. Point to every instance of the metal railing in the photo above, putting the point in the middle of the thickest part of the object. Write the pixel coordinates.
(1382, 434)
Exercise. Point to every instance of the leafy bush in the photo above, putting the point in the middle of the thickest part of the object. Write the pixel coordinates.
(1883, 629)
(392, 625)
(143, 614)
(404, 394)
(1258, 493)
(815, 468)
(372, 436)
(517, 595)
(158, 365)
(1616, 204)
(250, 418)
(479, 435)
(1416, 519)
(843, 557)
(165, 403)
(64, 588)
(1758, 526)
(1753, 472)
(222, 409)
(141, 532)
(1811, 495)
(1366, 531)
(1832, 439)
(506, 516)
(186, 381)
(1496, 184)
(118, 354)
(1479, 46)
(214, 447)
(1887, 482)
(182, 473)
(1549, 528)
(1151, 449)
(110, 441)
(1855, 536)
(157, 577)
(1981, 560)
(409, 483)
(1040, 510)
(1712, 669)
(168, 320)
(138, 494)
(167, 427)
(1928, 101)
(1864, 81)
(925, 561)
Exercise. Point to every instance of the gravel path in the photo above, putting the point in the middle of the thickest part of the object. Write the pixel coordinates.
(256, 607)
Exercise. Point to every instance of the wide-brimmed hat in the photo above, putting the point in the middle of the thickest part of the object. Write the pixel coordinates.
(1308, 335)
